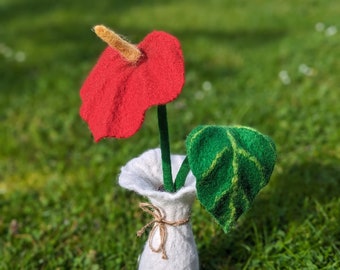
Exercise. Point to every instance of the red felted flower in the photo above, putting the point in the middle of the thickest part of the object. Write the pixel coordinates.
(126, 81)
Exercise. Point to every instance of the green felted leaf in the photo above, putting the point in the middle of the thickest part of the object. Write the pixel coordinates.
(231, 165)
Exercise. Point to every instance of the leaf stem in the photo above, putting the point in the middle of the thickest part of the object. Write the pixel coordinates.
(182, 174)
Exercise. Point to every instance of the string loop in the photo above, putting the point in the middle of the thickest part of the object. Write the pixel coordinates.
(160, 223)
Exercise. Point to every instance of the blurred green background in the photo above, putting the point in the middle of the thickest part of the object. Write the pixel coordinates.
(272, 65)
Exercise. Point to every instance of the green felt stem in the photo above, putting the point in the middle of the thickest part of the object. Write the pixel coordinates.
(165, 148)
(182, 174)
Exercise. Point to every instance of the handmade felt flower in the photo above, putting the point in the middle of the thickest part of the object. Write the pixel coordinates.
(129, 79)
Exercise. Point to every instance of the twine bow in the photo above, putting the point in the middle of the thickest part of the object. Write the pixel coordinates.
(158, 222)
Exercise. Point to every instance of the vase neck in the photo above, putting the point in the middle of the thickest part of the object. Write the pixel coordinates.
(174, 210)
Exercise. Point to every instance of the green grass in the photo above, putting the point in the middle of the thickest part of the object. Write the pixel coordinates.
(61, 187)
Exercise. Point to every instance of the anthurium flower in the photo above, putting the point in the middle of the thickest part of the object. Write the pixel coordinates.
(129, 79)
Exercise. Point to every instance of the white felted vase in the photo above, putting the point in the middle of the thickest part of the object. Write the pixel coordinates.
(171, 244)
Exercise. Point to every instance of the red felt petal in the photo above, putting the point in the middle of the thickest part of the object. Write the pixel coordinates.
(116, 94)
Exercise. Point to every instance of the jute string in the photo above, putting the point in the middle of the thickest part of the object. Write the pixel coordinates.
(160, 223)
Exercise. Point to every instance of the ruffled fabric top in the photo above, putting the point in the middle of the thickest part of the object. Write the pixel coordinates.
(144, 176)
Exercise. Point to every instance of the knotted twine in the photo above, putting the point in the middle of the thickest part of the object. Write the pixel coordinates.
(158, 222)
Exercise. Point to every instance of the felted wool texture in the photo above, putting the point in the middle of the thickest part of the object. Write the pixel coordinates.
(144, 176)
(129, 51)
(116, 93)
(231, 165)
